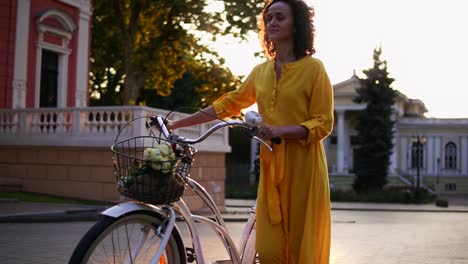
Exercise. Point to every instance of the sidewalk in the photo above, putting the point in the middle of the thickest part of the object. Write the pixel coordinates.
(12, 210)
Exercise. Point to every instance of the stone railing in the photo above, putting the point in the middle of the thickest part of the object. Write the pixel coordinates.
(90, 127)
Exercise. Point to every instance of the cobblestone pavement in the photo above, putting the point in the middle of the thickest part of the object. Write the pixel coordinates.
(358, 237)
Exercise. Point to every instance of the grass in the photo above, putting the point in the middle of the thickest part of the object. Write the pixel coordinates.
(44, 198)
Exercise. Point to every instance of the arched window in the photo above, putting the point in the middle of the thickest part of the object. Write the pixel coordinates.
(417, 155)
(55, 29)
(450, 156)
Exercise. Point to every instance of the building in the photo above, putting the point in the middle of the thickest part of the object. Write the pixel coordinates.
(442, 144)
(50, 140)
(46, 44)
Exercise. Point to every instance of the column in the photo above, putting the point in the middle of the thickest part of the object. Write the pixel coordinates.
(82, 68)
(404, 154)
(341, 138)
(437, 155)
(393, 158)
(430, 156)
(464, 156)
(21, 54)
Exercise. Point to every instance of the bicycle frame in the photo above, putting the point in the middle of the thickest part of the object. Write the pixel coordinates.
(217, 225)
(244, 253)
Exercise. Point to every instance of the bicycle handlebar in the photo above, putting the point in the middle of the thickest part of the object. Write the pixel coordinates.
(160, 122)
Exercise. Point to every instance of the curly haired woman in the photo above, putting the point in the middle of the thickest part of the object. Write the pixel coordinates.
(295, 99)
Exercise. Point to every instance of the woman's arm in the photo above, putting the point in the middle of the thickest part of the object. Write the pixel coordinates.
(206, 115)
(229, 104)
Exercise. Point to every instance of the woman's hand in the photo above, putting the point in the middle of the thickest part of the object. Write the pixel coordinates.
(171, 125)
(266, 131)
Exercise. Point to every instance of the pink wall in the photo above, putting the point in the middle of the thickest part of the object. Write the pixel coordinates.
(7, 50)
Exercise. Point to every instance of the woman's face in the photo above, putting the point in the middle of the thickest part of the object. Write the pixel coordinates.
(279, 22)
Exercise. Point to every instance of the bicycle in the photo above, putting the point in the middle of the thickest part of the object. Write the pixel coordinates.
(145, 230)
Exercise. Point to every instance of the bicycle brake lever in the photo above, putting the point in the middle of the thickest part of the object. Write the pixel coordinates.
(275, 140)
(263, 142)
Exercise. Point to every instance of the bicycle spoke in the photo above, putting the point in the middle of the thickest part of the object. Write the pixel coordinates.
(129, 244)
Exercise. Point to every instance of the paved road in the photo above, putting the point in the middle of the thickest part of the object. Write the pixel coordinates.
(358, 237)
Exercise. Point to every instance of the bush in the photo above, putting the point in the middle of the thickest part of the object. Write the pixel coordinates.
(393, 194)
(442, 203)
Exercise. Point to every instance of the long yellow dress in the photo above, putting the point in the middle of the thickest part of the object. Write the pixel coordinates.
(293, 205)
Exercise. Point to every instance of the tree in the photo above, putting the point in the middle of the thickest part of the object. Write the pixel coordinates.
(375, 127)
(195, 90)
(151, 44)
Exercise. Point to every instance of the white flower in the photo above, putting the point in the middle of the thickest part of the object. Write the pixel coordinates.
(165, 149)
(150, 153)
(156, 163)
(159, 157)
(166, 167)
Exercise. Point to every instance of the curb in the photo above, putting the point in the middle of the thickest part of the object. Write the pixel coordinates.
(65, 216)
(231, 216)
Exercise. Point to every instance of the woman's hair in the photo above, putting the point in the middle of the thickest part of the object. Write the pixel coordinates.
(303, 28)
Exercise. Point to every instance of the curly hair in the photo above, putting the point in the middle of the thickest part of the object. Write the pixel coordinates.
(304, 30)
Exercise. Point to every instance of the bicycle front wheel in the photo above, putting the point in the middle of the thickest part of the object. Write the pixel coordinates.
(131, 239)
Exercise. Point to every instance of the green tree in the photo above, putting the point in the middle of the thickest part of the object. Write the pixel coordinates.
(196, 90)
(151, 44)
(375, 127)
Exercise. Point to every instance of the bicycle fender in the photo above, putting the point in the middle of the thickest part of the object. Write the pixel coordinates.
(117, 211)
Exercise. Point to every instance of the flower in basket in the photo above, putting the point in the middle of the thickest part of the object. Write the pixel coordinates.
(160, 158)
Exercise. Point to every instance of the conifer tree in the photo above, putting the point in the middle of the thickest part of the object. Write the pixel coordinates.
(375, 127)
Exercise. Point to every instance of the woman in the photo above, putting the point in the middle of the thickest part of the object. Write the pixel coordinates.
(295, 99)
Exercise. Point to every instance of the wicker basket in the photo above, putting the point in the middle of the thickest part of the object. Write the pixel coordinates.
(149, 181)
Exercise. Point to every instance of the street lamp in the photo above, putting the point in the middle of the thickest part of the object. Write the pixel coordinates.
(418, 148)
(437, 179)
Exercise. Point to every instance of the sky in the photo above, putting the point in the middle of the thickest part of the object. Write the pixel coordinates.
(425, 43)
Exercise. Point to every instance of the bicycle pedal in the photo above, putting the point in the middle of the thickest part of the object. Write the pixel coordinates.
(191, 256)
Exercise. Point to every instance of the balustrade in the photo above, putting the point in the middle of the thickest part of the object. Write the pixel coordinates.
(89, 126)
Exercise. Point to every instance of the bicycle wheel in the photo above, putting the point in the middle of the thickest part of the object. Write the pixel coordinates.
(129, 239)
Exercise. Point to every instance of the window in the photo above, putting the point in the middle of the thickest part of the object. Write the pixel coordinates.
(450, 156)
(49, 79)
(52, 57)
(417, 155)
(450, 187)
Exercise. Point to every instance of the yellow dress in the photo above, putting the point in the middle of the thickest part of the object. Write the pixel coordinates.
(293, 204)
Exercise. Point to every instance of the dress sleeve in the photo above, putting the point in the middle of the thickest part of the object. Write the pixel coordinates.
(231, 103)
(320, 123)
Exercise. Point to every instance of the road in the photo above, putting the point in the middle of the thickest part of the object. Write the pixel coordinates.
(358, 237)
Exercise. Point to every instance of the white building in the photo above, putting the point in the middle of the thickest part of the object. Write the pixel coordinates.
(444, 152)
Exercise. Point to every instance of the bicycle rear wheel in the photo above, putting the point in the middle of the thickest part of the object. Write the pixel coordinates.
(131, 239)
